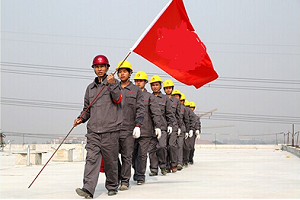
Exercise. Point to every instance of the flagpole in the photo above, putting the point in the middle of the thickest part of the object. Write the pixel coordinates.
(149, 27)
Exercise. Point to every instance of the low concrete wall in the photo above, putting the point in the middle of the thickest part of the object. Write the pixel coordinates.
(293, 150)
(236, 146)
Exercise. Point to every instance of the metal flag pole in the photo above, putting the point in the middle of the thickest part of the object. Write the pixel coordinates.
(74, 125)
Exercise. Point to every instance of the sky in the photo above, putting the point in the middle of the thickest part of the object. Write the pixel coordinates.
(47, 48)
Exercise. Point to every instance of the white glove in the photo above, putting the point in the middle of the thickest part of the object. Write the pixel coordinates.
(197, 132)
(158, 133)
(191, 133)
(169, 129)
(179, 131)
(186, 136)
(136, 132)
(198, 137)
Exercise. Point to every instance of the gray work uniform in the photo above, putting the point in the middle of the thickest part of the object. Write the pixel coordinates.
(104, 123)
(172, 157)
(184, 129)
(188, 142)
(133, 115)
(158, 148)
(193, 139)
(152, 120)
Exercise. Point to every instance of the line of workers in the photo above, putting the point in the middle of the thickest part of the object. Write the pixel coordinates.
(124, 118)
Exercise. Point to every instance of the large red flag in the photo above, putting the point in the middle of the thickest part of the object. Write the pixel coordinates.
(171, 44)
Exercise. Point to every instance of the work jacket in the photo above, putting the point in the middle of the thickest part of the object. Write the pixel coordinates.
(152, 116)
(168, 118)
(176, 106)
(132, 106)
(184, 116)
(105, 114)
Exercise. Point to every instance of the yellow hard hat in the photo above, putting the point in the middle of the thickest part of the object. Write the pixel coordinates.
(125, 64)
(155, 78)
(187, 103)
(182, 97)
(168, 83)
(192, 104)
(176, 92)
(140, 75)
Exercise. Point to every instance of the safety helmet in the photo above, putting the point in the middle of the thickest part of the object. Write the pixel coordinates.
(176, 92)
(140, 75)
(155, 78)
(182, 97)
(100, 60)
(186, 103)
(192, 104)
(168, 83)
(125, 64)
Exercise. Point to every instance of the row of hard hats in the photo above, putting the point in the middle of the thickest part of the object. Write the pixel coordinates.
(101, 59)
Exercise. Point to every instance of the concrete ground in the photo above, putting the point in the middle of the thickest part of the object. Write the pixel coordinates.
(216, 174)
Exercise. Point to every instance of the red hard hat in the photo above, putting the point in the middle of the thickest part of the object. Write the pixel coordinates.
(100, 60)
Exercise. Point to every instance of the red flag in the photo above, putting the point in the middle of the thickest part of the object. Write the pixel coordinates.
(171, 44)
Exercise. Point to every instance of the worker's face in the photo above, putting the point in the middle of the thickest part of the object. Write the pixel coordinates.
(123, 74)
(192, 109)
(168, 90)
(100, 70)
(140, 83)
(177, 96)
(182, 102)
(156, 86)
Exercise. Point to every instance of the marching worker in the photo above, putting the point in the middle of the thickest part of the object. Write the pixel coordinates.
(158, 147)
(150, 128)
(133, 115)
(172, 157)
(184, 127)
(104, 118)
(197, 134)
(187, 142)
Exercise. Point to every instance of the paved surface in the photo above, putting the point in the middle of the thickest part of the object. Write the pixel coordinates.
(216, 174)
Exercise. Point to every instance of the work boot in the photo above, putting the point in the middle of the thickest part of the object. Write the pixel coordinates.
(174, 169)
(168, 171)
(140, 182)
(123, 187)
(186, 165)
(84, 193)
(112, 192)
(179, 167)
(163, 171)
(153, 174)
(191, 162)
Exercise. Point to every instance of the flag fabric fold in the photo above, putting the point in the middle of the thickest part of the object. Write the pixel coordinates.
(170, 42)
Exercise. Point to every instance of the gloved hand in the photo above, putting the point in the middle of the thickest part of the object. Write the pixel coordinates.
(179, 131)
(169, 130)
(158, 133)
(197, 132)
(136, 132)
(186, 136)
(191, 133)
(198, 137)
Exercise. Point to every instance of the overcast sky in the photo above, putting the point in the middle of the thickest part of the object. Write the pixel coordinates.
(47, 48)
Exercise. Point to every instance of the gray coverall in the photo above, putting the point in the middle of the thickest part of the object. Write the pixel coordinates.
(152, 120)
(103, 128)
(133, 115)
(185, 128)
(193, 139)
(187, 142)
(158, 148)
(172, 157)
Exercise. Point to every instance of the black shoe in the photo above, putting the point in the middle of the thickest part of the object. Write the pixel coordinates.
(163, 171)
(140, 182)
(179, 167)
(112, 192)
(153, 174)
(84, 193)
(191, 162)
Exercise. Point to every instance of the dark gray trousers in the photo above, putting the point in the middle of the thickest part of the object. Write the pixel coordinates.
(172, 149)
(192, 151)
(152, 154)
(126, 143)
(180, 150)
(161, 151)
(139, 157)
(98, 145)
